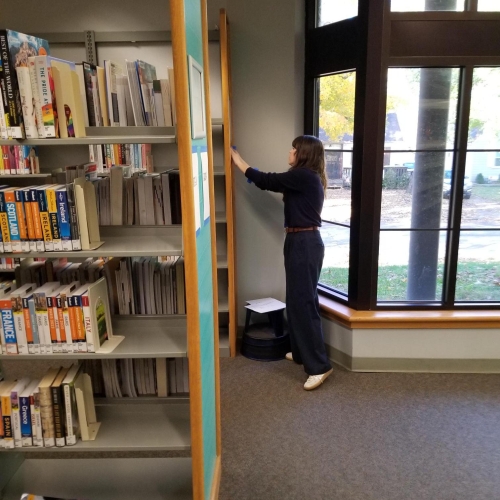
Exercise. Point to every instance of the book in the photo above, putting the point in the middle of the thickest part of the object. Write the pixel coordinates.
(135, 93)
(158, 103)
(76, 311)
(35, 92)
(46, 407)
(166, 102)
(37, 220)
(73, 217)
(25, 408)
(27, 101)
(92, 95)
(68, 97)
(43, 210)
(47, 94)
(42, 315)
(59, 408)
(53, 212)
(16, 413)
(4, 106)
(8, 330)
(72, 427)
(6, 432)
(103, 97)
(22, 220)
(10, 207)
(113, 71)
(19, 317)
(64, 218)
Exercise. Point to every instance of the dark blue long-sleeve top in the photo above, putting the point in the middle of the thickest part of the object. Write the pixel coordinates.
(302, 190)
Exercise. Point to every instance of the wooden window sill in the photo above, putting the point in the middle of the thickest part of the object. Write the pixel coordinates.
(407, 319)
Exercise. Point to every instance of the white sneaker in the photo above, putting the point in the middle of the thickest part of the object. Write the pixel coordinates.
(289, 356)
(316, 380)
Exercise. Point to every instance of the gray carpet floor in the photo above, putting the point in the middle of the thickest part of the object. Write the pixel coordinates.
(360, 436)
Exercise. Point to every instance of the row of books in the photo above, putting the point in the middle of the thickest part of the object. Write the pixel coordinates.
(138, 198)
(105, 156)
(16, 159)
(9, 263)
(39, 218)
(117, 378)
(54, 318)
(146, 286)
(44, 96)
(41, 413)
(136, 285)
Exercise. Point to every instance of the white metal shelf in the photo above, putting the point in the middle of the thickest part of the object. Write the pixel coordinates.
(104, 479)
(145, 337)
(134, 427)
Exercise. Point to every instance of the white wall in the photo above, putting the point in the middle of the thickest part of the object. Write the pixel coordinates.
(267, 76)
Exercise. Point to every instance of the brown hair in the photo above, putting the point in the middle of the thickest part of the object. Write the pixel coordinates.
(310, 154)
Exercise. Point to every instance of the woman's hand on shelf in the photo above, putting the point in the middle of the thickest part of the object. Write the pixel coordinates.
(238, 161)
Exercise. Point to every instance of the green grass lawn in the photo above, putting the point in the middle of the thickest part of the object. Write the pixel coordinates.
(476, 281)
(490, 192)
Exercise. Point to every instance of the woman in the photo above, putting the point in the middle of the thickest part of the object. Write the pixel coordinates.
(303, 187)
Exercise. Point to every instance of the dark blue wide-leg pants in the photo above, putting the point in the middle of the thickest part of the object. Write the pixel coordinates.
(304, 252)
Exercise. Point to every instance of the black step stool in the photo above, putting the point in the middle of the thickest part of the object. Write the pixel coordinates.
(265, 341)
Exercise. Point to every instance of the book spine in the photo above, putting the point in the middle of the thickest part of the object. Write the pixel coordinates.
(36, 97)
(61, 324)
(21, 218)
(9, 331)
(4, 113)
(27, 100)
(71, 415)
(18, 317)
(53, 217)
(51, 346)
(87, 320)
(72, 324)
(34, 348)
(8, 434)
(25, 416)
(37, 221)
(38, 433)
(46, 93)
(79, 323)
(64, 219)
(73, 218)
(16, 419)
(13, 97)
(27, 325)
(10, 207)
(32, 423)
(47, 416)
(59, 419)
(42, 320)
(45, 220)
(30, 227)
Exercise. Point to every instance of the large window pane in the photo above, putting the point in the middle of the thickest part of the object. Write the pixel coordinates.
(332, 11)
(481, 206)
(335, 273)
(488, 6)
(484, 123)
(410, 93)
(336, 128)
(425, 5)
(478, 273)
(397, 265)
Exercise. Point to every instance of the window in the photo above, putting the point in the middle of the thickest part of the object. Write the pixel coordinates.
(336, 122)
(412, 213)
(419, 141)
(332, 11)
(427, 5)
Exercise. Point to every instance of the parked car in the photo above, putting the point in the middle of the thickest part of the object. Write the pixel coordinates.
(447, 185)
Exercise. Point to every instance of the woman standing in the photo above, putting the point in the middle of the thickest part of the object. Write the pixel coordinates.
(303, 187)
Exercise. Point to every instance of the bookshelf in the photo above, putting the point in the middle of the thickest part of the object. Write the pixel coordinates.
(182, 432)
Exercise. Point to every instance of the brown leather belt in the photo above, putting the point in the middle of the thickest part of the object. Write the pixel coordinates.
(298, 229)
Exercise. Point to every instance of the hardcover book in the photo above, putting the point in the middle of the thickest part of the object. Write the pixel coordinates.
(16, 48)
